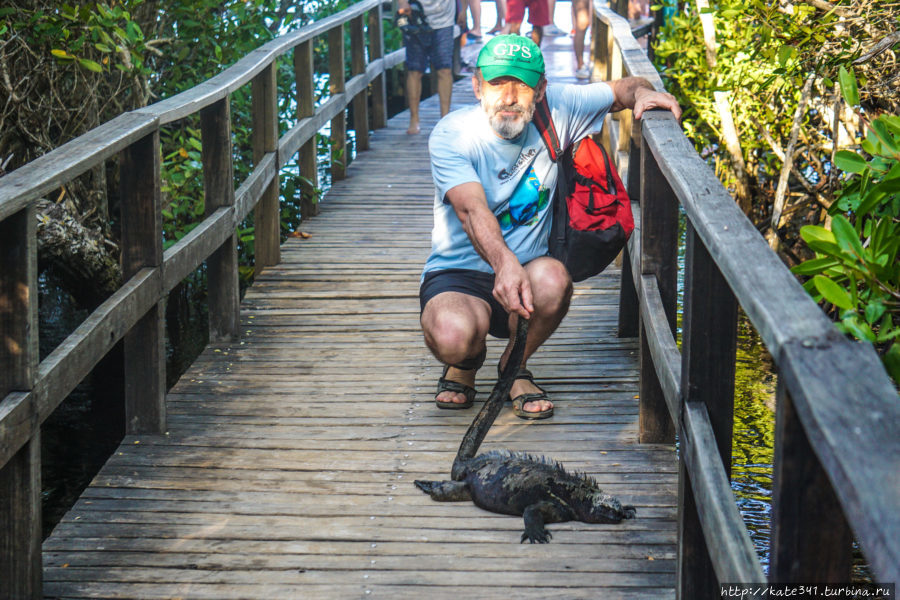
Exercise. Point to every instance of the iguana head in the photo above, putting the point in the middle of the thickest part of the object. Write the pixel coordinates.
(599, 507)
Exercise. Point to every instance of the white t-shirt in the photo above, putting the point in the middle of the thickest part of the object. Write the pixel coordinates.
(439, 13)
(517, 175)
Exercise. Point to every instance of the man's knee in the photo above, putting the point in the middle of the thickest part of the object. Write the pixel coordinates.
(451, 334)
(551, 284)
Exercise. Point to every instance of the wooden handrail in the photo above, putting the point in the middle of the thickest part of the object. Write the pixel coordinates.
(838, 414)
(30, 392)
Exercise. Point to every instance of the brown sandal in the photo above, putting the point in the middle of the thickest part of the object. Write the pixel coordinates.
(519, 401)
(448, 385)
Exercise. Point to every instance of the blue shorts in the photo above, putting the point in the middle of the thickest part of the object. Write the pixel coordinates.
(435, 47)
(471, 283)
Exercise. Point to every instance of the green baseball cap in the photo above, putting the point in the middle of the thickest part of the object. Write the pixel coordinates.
(512, 55)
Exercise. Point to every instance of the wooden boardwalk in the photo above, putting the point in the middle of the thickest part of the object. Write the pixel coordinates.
(287, 468)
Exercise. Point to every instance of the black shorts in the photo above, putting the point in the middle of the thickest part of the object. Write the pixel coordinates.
(469, 282)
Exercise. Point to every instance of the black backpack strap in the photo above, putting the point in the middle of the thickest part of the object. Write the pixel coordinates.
(544, 123)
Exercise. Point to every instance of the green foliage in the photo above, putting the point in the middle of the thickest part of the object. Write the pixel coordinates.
(856, 269)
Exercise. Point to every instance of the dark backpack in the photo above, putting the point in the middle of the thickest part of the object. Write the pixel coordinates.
(592, 217)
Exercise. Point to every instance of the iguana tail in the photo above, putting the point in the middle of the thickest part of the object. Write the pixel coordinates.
(485, 418)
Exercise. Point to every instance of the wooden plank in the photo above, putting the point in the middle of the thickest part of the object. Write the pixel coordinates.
(141, 219)
(723, 527)
(257, 183)
(218, 193)
(267, 214)
(20, 467)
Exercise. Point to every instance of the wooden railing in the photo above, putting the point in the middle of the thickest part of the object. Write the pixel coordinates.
(837, 446)
(30, 390)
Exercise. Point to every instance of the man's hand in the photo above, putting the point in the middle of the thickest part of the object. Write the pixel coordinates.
(637, 94)
(512, 288)
(645, 99)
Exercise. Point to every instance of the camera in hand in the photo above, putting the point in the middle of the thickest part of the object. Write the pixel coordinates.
(413, 23)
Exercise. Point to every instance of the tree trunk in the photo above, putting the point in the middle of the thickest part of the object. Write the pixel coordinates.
(85, 261)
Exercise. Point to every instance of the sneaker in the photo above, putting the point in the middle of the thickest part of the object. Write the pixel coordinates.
(553, 31)
(583, 73)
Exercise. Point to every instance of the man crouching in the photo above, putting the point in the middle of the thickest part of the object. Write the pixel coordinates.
(494, 185)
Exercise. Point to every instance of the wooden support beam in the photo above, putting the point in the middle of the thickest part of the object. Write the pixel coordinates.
(266, 217)
(659, 257)
(709, 342)
(339, 158)
(357, 67)
(304, 75)
(20, 478)
(145, 364)
(218, 192)
(811, 540)
(379, 87)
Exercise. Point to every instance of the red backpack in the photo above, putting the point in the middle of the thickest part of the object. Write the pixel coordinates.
(593, 223)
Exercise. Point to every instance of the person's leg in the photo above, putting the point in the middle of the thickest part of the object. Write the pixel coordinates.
(445, 89)
(539, 18)
(442, 63)
(552, 290)
(413, 94)
(501, 16)
(416, 62)
(515, 13)
(581, 18)
(475, 9)
(455, 326)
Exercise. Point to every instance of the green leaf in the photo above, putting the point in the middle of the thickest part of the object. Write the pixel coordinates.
(832, 292)
(817, 233)
(90, 65)
(846, 235)
(891, 361)
(873, 311)
(860, 330)
(849, 161)
(848, 86)
(61, 54)
(814, 266)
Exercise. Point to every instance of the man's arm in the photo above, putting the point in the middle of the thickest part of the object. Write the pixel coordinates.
(637, 94)
(511, 285)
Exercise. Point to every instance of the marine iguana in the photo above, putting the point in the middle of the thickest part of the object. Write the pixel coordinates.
(515, 483)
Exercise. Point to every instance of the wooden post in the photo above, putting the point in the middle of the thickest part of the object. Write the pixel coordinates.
(218, 192)
(339, 158)
(379, 87)
(145, 364)
(20, 478)
(709, 342)
(266, 217)
(811, 540)
(629, 308)
(304, 74)
(659, 257)
(357, 67)
(601, 40)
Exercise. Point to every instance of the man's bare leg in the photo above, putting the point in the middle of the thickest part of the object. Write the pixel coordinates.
(445, 89)
(413, 95)
(551, 287)
(455, 327)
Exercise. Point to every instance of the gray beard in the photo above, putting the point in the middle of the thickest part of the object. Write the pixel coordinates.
(508, 128)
